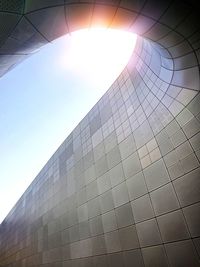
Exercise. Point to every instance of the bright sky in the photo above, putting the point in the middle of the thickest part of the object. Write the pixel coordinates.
(45, 97)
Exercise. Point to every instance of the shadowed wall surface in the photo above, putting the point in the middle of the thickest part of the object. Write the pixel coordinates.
(124, 187)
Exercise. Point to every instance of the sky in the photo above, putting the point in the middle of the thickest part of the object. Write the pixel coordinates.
(46, 96)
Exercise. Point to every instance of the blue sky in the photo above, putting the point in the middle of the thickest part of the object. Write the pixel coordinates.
(46, 96)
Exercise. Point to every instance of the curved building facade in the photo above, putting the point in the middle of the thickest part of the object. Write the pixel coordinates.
(124, 187)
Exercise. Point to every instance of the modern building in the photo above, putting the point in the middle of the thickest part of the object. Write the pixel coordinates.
(123, 189)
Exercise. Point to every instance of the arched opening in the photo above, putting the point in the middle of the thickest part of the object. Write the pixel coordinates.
(39, 100)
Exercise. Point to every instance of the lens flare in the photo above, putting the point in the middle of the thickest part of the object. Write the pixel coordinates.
(98, 55)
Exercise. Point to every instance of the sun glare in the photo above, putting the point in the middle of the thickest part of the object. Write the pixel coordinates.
(98, 55)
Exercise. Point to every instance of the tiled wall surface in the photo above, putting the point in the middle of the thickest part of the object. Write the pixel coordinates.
(124, 187)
